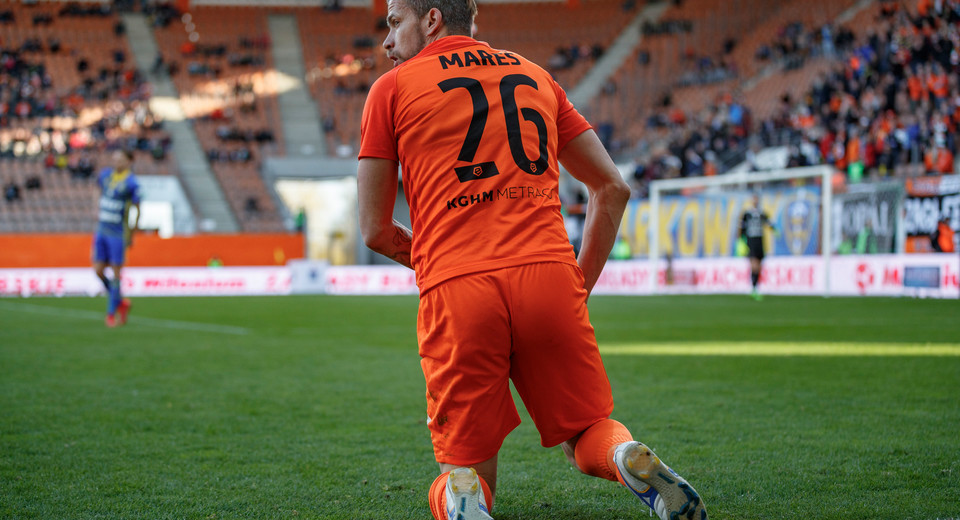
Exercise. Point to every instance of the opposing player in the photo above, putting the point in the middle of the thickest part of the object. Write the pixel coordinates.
(751, 230)
(477, 133)
(119, 191)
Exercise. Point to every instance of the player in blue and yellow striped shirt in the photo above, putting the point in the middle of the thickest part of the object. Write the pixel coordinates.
(119, 192)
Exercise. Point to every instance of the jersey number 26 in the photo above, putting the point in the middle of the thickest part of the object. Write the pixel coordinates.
(511, 114)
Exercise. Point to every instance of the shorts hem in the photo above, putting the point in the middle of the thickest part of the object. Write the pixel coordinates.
(555, 440)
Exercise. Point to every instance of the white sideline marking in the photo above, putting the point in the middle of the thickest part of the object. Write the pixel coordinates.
(140, 320)
(775, 348)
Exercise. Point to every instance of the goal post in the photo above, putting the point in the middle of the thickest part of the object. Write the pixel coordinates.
(742, 181)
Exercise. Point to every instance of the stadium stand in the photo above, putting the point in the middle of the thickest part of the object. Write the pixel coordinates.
(828, 92)
(342, 57)
(70, 96)
(868, 86)
(700, 49)
(341, 48)
(568, 40)
(220, 62)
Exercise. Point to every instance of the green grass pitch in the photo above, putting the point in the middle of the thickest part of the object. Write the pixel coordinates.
(313, 407)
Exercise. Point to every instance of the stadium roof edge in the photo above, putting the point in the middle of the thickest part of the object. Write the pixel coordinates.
(308, 168)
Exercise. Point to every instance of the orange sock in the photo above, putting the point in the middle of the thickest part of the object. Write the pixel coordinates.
(438, 496)
(594, 451)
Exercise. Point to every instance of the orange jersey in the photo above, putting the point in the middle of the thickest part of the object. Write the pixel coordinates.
(938, 85)
(476, 132)
(916, 88)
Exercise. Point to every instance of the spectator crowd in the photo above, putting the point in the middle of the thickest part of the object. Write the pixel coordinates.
(888, 105)
(67, 126)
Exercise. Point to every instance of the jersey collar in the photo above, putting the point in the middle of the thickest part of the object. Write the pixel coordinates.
(119, 176)
(449, 43)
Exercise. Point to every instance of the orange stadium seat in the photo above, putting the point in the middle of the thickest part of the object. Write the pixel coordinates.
(215, 93)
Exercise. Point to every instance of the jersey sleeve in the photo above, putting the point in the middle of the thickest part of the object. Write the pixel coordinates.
(378, 138)
(102, 177)
(570, 123)
(135, 192)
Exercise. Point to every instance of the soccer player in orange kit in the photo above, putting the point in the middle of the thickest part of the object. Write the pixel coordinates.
(477, 133)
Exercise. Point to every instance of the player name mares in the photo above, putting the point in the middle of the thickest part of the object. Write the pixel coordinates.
(480, 58)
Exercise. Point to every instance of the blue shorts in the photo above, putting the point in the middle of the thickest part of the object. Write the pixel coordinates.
(108, 249)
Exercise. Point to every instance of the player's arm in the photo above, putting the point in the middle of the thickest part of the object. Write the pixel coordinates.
(377, 194)
(587, 160)
(134, 206)
(767, 221)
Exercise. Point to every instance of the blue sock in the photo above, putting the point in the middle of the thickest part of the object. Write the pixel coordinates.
(105, 281)
(113, 297)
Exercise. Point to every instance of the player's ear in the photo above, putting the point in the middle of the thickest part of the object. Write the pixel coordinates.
(433, 22)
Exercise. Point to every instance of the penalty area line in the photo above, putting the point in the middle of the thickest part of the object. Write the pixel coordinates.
(139, 320)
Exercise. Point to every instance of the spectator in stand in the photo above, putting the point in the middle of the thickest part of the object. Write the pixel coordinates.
(939, 159)
(11, 192)
(251, 206)
(942, 238)
(188, 49)
(50, 161)
(263, 136)
(692, 163)
(241, 155)
(33, 183)
(84, 167)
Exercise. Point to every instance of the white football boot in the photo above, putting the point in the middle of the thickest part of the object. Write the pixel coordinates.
(656, 485)
(465, 500)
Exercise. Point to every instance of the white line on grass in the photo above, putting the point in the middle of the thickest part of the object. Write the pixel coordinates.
(140, 320)
(773, 348)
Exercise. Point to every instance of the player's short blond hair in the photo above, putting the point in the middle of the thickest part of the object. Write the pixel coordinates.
(457, 14)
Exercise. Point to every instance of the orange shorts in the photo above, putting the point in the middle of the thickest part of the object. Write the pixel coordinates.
(528, 324)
